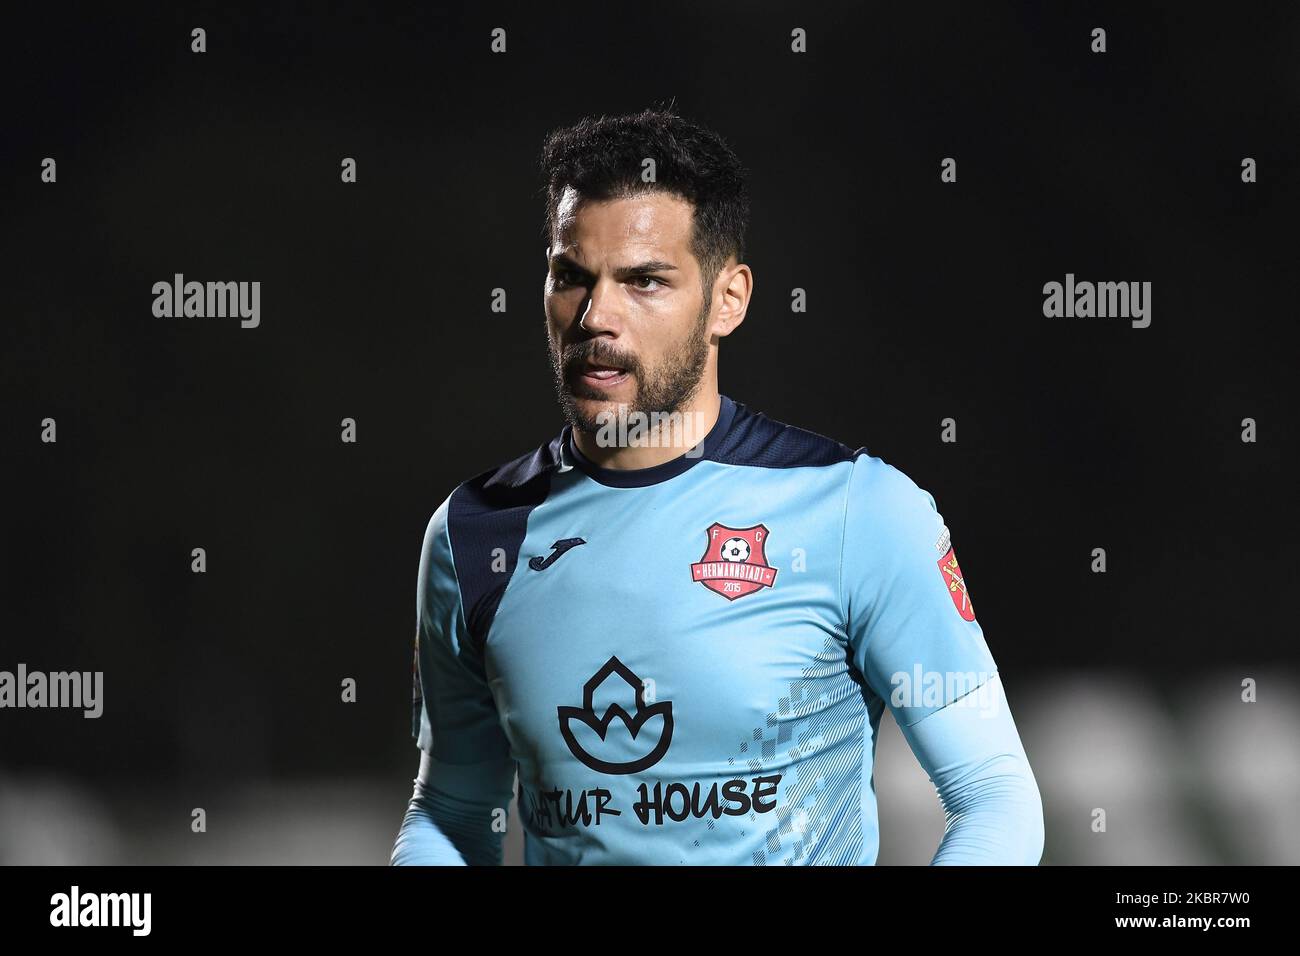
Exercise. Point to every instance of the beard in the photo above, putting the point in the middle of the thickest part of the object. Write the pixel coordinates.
(666, 388)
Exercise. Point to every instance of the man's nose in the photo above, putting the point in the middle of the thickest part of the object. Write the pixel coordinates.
(602, 313)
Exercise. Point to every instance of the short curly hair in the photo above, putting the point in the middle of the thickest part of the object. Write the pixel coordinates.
(601, 158)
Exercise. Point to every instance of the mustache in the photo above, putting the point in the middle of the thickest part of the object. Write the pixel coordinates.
(598, 353)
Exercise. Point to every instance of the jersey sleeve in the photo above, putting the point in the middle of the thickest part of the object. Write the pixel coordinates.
(911, 624)
(454, 716)
(444, 824)
(972, 752)
(467, 775)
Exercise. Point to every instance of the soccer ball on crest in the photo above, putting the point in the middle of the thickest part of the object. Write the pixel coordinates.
(735, 549)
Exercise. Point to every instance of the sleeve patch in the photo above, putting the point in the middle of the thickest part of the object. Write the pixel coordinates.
(955, 582)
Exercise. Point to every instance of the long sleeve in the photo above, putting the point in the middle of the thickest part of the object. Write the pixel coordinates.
(914, 636)
(973, 754)
(454, 816)
(457, 812)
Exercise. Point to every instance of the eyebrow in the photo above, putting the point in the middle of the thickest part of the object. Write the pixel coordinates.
(624, 272)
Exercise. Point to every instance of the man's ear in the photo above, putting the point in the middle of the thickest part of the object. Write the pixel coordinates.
(736, 294)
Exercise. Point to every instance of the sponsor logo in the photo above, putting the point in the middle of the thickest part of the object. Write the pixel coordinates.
(616, 742)
(538, 563)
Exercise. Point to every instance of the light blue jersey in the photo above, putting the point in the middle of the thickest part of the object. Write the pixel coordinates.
(689, 663)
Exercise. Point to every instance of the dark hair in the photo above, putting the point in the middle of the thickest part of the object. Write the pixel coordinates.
(601, 158)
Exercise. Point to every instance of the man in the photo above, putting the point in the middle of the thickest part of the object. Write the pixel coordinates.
(680, 621)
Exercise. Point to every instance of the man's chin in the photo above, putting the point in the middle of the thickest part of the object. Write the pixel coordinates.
(588, 410)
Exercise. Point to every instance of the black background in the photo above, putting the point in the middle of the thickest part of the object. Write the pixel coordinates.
(925, 301)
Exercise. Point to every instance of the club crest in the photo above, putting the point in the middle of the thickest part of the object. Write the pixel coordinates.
(734, 562)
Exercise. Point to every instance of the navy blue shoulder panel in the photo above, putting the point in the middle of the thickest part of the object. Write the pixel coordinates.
(755, 439)
(491, 511)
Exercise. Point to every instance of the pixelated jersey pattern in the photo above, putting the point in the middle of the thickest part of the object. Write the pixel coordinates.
(820, 814)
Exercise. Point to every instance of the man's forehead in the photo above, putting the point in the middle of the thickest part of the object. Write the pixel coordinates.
(645, 219)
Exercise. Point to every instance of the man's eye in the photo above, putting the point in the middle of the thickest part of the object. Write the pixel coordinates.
(563, 276)
(647, 279)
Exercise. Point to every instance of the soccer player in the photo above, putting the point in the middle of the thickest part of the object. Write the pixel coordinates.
(678, 621)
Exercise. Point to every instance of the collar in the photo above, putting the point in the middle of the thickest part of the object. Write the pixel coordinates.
(641, 477)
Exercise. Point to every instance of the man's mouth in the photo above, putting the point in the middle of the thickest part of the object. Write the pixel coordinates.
(602, 376)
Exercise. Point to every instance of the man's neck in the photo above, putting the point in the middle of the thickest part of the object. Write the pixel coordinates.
(638, 443)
